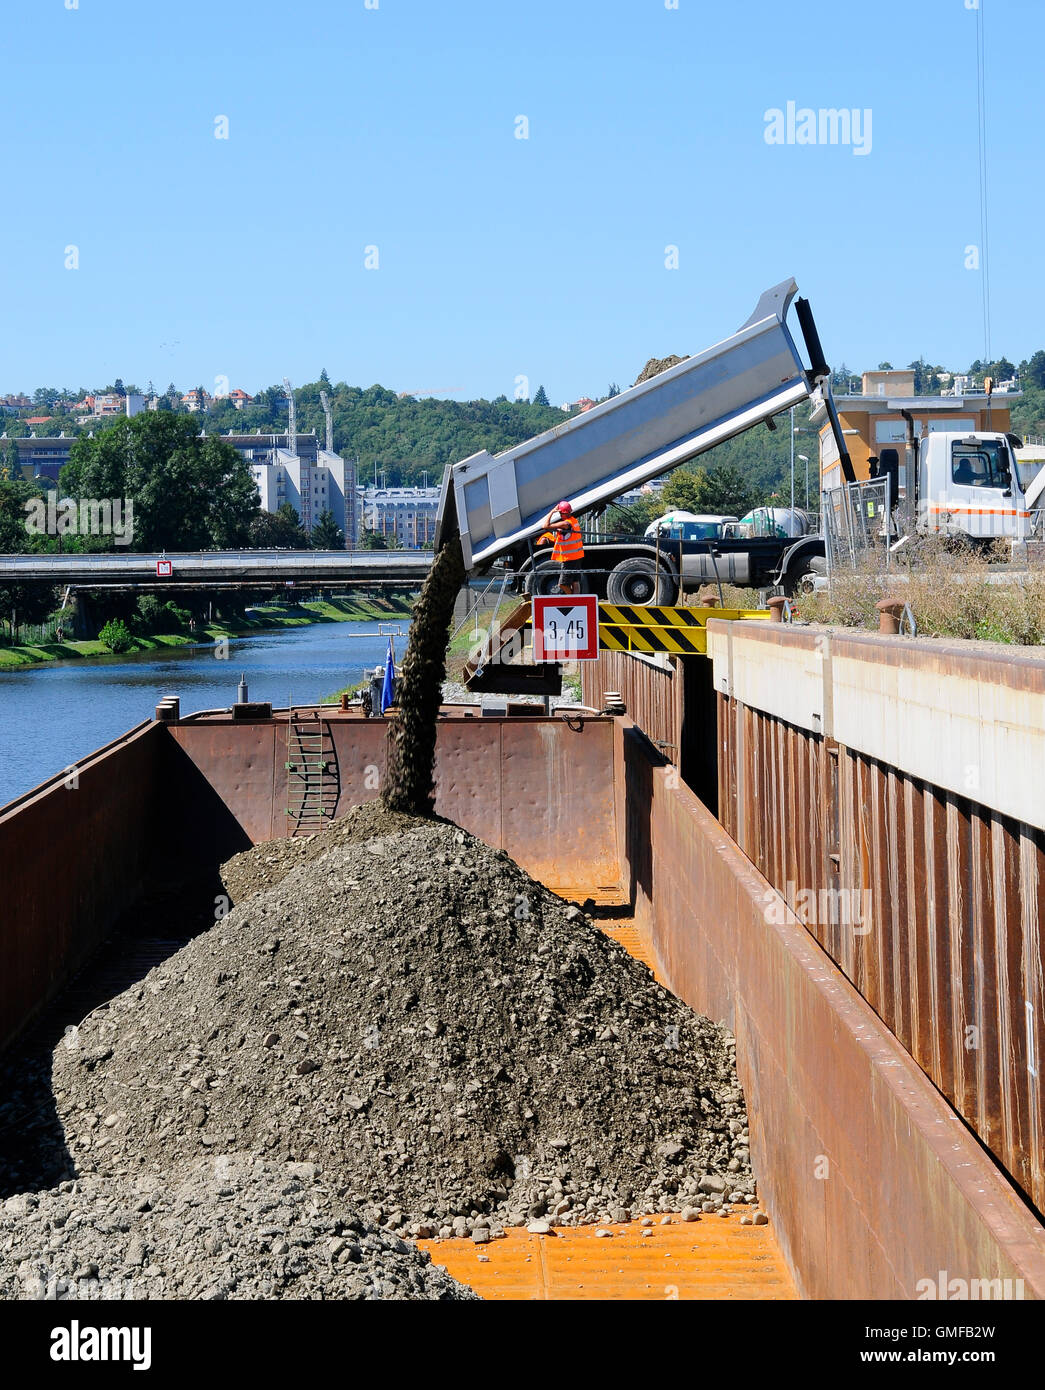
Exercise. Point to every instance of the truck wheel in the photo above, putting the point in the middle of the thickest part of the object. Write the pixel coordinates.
(639, 582)
(542, 580)
(801, 580)
(545, 580)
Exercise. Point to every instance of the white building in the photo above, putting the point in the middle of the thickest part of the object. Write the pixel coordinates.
(311, 479)
(407, 513)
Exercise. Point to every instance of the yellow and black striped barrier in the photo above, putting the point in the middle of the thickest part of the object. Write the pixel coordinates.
(679, 631)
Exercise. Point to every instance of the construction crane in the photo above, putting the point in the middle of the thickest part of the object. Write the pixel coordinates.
(324, 401)
(292, 424)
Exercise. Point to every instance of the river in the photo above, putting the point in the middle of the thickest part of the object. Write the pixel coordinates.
(52, 715)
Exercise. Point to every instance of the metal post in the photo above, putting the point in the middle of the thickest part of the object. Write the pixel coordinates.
(792, 465)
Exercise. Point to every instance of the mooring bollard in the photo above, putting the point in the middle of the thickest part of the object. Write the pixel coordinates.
(890, 611)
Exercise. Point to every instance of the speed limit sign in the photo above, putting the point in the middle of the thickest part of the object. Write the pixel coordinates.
(566, 629)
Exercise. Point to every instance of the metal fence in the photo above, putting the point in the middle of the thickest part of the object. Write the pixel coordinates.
(856, 520)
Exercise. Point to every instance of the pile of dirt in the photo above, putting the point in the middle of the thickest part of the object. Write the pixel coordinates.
(223, 1229)
(655, 366)
(449, 1043)
(268, 864)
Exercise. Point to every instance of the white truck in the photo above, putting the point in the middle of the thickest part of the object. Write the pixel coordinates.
(970, 485)
(967, 486)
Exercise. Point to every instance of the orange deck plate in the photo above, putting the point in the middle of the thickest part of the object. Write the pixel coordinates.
(634, 942)
(713, 1258)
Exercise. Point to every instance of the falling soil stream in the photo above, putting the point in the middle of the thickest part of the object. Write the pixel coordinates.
(409, 786)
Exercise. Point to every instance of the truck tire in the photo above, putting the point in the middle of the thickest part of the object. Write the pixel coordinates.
(545, 580)
(639, 582)
(800, 579)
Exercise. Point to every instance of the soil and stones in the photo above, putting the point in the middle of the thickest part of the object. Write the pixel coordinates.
(409, 777)
(656, 365)
(449, 1045)
(221, 1228)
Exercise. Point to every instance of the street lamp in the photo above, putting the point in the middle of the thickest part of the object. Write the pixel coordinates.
(805, 460)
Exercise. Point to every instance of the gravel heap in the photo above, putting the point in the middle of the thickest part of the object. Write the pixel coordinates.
(450, 1044)
(655, 366)
(217, 1229)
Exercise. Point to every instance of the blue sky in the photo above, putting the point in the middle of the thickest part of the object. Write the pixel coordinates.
(499, 257)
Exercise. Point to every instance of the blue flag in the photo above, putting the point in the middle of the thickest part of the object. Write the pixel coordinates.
(388, 689)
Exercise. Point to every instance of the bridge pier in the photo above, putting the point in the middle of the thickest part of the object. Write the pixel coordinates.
(84, 621)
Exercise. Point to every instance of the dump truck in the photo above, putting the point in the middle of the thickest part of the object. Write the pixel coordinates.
(499, 504)
(969, 485)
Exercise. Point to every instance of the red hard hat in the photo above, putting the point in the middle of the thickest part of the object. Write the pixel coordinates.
(564, 509)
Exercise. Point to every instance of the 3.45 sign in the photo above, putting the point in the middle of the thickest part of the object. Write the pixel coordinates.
(566, 628)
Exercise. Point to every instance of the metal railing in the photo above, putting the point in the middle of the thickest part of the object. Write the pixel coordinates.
(856, 519)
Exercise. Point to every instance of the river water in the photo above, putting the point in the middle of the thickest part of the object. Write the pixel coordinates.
(52, 715)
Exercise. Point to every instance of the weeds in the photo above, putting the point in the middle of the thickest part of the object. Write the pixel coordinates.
(951, 594)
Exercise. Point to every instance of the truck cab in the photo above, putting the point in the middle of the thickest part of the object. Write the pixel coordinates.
(691, 526)
(969, 484)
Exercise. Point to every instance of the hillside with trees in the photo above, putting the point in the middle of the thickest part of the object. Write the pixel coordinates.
(404, 440)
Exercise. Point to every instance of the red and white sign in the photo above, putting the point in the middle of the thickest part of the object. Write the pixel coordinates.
(566, 628)
(164, 569)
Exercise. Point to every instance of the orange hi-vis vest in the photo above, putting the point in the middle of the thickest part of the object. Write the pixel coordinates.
(568, 545)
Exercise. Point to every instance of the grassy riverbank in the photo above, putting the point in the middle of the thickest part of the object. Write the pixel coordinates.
(261, 619)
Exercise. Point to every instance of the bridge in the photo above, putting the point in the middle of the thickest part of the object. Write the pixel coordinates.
(227, 569)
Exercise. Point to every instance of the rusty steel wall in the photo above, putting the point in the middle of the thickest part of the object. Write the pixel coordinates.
(74, 858)
(939, 923)
(873, 1182)
(906, 1190)
(533, 787)
(651, 693)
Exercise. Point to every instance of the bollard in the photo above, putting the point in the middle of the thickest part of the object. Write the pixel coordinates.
(890, 611)
(776, 608)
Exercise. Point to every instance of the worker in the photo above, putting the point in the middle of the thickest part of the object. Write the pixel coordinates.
(564, 535)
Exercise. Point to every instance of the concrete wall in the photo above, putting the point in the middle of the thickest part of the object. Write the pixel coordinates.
(968, 720)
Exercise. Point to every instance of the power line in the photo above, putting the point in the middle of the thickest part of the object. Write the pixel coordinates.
(981, 131)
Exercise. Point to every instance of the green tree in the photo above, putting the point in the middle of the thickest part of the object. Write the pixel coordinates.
(327, 534)
(372, 540)
(116, 635)
(278, 530)
(541, 397)
(633, 518)
(1032, 373)
(26, 603)
(188, 493)
(721, 490)
(14, 493)
(682, 491)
